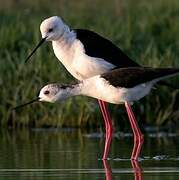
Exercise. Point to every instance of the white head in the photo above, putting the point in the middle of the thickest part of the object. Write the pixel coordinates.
(53, 28)
(55, 92)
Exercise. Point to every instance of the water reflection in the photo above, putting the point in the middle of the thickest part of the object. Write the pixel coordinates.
(107, 169)
(73, 154)
(137, 170)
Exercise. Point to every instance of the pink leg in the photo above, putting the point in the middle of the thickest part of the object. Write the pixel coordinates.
(138, 136)
(108, 127)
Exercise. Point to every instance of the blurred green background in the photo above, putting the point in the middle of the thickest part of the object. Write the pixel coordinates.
(147, 31)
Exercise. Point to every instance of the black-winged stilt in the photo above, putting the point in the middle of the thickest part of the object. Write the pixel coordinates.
(84, 54)
(120, 86)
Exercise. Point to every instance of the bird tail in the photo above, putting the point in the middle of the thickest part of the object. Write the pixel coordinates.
(164, 83)
(169, 72)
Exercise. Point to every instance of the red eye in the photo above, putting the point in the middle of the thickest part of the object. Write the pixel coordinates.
(46, 92)
(50, 30)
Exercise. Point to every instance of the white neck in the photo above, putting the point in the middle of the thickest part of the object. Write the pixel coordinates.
(63, 46)
(68, 36)
(68, 92)
(85, 88)
(66, 39)
(74, 90)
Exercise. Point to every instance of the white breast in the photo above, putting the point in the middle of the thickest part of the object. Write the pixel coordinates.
(101, 89)
(80, 65)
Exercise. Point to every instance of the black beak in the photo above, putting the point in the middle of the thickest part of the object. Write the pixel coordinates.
(38, 45)
(22, 105)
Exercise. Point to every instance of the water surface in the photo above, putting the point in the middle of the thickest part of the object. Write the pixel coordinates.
(73, 154)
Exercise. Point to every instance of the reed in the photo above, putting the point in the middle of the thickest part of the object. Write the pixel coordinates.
(148, 31)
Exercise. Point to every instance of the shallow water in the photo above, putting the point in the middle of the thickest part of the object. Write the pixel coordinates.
(73, 154)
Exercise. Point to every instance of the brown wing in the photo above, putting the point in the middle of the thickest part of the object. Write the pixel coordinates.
(130, 77)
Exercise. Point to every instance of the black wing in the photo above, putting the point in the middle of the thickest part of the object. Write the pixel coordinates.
(130, 77)
(97, 46)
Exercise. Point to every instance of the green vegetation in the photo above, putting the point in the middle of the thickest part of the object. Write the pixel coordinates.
(148, 31)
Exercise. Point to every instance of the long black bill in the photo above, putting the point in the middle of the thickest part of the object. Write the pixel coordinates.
(38, 45)
(22, 105)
